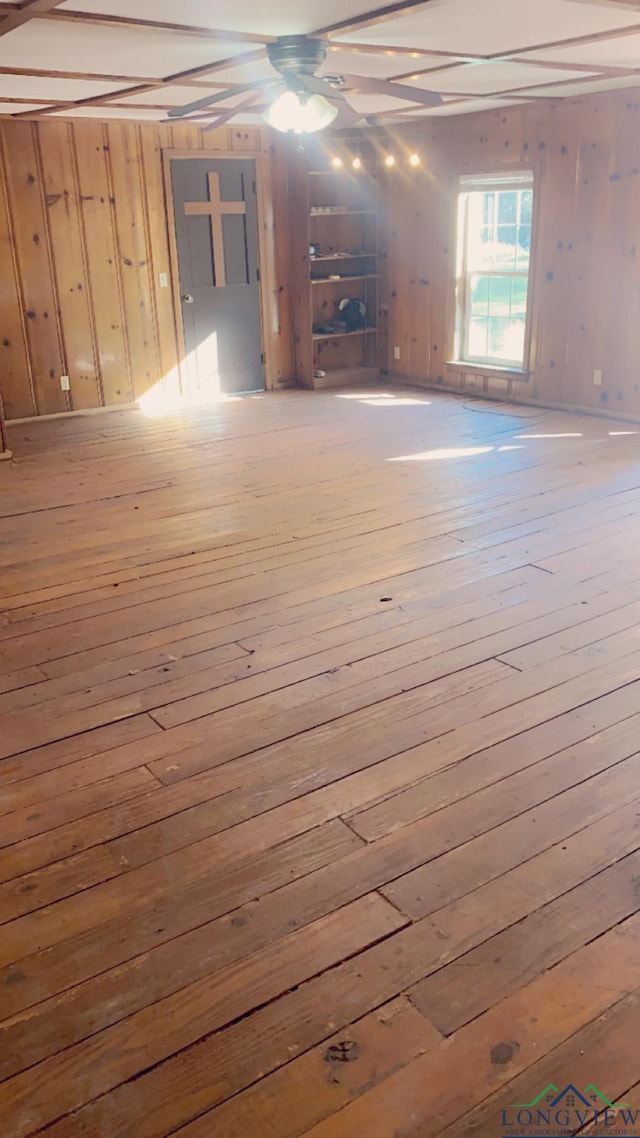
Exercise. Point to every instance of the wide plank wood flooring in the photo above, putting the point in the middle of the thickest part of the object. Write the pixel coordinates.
(319, 768)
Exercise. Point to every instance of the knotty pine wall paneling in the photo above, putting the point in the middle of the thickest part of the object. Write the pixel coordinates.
(585, 154)
(84, 236)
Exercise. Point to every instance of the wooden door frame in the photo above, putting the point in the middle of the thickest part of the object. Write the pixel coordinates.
(257, 157)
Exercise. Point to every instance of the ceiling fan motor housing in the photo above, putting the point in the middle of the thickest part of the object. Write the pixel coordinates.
(297, 55)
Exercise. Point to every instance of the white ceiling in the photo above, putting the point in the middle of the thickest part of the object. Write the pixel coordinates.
(69, 55)
(473, 26)
(277, 18)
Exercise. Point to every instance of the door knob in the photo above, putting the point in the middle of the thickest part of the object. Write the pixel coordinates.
(187, 298)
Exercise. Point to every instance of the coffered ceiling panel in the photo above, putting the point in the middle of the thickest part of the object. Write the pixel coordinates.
(171, 96)
(10, 108)
(589, 87)
(377, 104)
(460, 107)
(48, 44)
(491, 26)
(248, 72)
(280, 18)
(491, 78)
(379, 65)
(179, 96)
(52, 90)
(621, 51)
(136, 114)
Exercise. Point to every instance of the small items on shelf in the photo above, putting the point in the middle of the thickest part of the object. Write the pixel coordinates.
(316, 254)
(331, 328)
(352, 318)
(316, 209)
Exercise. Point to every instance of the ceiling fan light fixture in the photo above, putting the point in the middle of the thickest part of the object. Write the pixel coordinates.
(299, 114)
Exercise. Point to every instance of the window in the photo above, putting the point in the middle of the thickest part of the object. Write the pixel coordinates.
(494, 247)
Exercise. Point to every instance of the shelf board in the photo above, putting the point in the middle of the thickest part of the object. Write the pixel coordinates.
(339, 280)
(345, 213)
(341, 335)
(341, 257)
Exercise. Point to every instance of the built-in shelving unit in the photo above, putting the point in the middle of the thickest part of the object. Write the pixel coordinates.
(333, 212)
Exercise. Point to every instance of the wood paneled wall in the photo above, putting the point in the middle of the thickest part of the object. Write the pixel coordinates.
(83, 239)
(586, 275)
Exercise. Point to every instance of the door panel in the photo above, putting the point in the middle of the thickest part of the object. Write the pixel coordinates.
(218, 269)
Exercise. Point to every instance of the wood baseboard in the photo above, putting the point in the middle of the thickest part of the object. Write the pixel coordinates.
(75, 414)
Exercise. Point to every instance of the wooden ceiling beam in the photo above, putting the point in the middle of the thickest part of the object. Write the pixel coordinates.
(95, 76)
(26, 12)
(19, 101)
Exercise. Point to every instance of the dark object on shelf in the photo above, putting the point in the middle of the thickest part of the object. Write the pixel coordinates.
(354, 314)
(330, 327)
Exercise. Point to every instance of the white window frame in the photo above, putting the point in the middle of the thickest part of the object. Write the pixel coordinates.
(485, 183)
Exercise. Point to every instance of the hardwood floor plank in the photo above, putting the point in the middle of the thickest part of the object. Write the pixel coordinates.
(41, 943)
(312, 1088)
(465, 989)
(606, 1043)
(318, 725)
(193, 1013)
(566, 999)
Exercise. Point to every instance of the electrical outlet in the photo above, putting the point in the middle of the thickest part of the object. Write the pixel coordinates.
(396, 353)
(64, 383)
(597, 378)
(164, 280)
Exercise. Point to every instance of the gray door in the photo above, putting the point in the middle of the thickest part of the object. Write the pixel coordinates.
(217, 235)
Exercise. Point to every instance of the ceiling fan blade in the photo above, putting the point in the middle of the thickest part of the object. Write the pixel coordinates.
(347, 115)
(209, 100)
(366, 86)
(316, 86)
(230, 112)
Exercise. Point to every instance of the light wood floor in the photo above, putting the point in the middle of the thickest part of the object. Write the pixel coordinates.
(320, 783)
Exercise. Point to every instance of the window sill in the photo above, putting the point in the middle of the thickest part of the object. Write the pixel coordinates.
(487, 369)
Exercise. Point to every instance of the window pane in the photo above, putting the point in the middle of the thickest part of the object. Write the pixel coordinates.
(495, 257)
(524, 247)
(508, 206)
(506, 340)
(500, 296)
(526, 206)
(479, 296)
(519, 291)
(477, 344)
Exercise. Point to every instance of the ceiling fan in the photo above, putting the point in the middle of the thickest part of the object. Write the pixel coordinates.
(298, 99)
